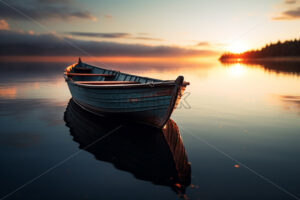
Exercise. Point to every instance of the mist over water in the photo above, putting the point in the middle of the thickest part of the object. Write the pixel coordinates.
(233, 117)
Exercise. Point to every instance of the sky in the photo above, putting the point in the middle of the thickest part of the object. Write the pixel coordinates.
(140, 28)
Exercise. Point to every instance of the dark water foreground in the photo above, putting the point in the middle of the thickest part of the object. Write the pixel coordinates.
(235, 135)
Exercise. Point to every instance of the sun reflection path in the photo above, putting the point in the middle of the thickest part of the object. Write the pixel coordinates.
(237, 70)
(8, 92)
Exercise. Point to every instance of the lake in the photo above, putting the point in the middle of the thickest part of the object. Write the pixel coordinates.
(239, 126)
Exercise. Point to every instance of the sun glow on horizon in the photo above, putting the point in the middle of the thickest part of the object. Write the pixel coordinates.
(237, 47)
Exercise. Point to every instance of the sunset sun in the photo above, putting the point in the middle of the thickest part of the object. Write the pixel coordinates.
(237, 47)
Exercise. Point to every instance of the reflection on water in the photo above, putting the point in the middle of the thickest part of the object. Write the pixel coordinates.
(290, 102)
(149, 154)
(292, 99)
(19, 139)
(278, 66)
(22, 108)
(8, 92)
(28, 72)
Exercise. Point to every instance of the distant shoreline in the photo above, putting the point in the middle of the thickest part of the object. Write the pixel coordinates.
(266, 59)
(288, 51)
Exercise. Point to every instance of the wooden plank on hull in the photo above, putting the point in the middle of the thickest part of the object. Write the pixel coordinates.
(106, 82)
(86, 74)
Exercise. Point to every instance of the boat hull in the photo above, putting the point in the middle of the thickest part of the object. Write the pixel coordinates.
(150, 105)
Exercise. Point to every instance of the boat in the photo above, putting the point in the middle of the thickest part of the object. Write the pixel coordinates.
(125, 96)
(157, 156)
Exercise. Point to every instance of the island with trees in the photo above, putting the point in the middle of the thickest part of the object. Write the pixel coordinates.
(288, 50)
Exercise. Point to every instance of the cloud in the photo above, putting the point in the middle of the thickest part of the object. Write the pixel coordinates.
(44, 10)
(290, 1)
(4, 25)
(55, 1)
(16, 43)
(112, 36)
(100, 35)
(289, 15)
(203, 44)
(146, 38)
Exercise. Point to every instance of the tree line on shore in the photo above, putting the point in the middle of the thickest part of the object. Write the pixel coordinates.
(289, 48)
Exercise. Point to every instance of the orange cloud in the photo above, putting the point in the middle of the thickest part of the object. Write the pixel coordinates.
(290, 1)
(4, 25)
(289, 15)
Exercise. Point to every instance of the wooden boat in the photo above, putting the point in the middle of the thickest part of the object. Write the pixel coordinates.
(130, 97)
(157, 155)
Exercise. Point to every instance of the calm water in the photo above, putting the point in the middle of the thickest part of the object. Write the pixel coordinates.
(239, 124)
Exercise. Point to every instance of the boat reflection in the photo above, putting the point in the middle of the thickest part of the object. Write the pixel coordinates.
(149, 154)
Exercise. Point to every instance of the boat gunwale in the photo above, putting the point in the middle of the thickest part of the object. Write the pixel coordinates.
(159, 82)
(115, 71)
(149, 84)
(119, 72)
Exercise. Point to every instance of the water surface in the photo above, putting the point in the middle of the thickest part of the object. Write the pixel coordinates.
(239, 125)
